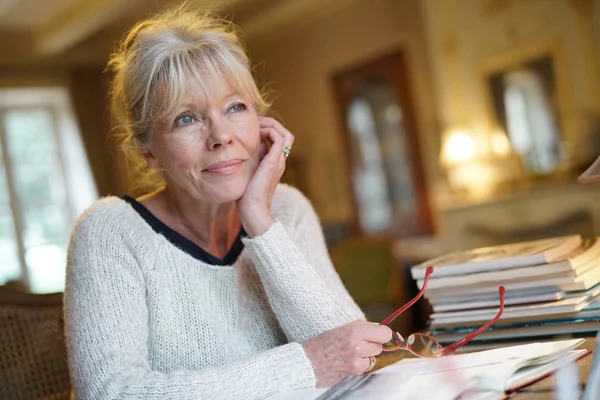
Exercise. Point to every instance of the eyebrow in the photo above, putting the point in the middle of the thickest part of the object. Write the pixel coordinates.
(228, 96)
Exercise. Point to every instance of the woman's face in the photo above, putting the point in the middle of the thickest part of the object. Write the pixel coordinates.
(209, 148)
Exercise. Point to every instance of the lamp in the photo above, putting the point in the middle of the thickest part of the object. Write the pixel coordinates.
(476, 162)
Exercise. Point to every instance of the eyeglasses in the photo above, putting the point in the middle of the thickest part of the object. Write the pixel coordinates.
(426, 346)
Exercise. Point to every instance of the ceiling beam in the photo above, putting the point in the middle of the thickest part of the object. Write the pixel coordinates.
(284, 15)
(78, 22)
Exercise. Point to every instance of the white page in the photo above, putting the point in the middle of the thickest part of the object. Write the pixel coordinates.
(487, 370)
(373, 387)
(305, 394)
(444, 378)
(525, 375)
(462, 361)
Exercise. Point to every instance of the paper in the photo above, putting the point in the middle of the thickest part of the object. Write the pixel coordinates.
(463, 361)
(305, 394)
(472, 375)
(373, 386)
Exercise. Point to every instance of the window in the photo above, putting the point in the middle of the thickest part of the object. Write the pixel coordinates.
(45, 183)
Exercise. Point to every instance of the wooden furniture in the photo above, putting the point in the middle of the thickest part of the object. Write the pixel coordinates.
(383, 154)
(33, 357)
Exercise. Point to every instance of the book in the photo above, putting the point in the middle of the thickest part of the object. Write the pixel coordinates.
(592, 174)
(541, 329)
(581, 260)
(507, 256)
(567, 283)
(584, 321)
(491, 372)
(486, 303)
(564, 306)
(491, 294)
(444, 325)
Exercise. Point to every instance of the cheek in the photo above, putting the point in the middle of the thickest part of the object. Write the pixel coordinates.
(181, 153)
(249, 136)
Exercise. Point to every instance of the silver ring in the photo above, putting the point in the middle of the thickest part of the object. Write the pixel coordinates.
(287, 150)
(372, 361)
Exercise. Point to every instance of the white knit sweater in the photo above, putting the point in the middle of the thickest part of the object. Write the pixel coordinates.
(145, 320)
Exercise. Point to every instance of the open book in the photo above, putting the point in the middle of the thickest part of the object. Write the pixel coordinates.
(486, 374)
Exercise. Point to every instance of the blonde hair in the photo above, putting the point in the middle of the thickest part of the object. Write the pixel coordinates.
(170, 49)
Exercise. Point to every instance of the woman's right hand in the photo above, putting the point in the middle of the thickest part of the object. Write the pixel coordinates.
(344, 351)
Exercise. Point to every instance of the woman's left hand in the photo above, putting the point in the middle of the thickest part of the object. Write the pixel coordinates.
(254, 207)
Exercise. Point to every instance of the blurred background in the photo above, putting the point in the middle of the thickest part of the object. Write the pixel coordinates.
(422, 126)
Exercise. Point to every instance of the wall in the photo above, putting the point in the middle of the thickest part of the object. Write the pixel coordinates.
(596, 25)
(298, 65)
(467, 36)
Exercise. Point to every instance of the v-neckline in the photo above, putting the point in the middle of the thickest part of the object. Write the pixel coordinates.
(184, 243)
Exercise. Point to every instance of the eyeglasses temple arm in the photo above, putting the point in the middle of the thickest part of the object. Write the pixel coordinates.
(461, 342)
(399, 311)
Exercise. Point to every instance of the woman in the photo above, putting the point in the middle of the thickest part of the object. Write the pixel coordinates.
(218, 285)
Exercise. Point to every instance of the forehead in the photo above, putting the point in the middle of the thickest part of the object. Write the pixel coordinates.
(207, 88)
(195, 88)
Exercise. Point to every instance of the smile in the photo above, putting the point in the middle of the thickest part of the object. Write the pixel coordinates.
(226, 167)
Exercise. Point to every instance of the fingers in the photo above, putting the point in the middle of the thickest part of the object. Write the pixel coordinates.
(367, 349)
(266, 123)
(376, 333)
(362, 365)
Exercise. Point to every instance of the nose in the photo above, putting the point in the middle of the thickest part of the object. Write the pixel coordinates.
(220, 134)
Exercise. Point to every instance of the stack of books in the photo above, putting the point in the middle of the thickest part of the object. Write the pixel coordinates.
(552, 286)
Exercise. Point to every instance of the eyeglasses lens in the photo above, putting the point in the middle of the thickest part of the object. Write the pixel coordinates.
(424, 345)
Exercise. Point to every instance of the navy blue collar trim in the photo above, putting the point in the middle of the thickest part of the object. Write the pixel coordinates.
(184, 243)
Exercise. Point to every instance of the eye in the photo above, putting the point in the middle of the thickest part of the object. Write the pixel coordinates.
(185, 120)
(238, 107)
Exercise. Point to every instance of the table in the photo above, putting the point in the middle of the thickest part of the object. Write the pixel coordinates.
(542, 390)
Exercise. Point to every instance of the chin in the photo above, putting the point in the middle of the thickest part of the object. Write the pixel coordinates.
(230, 191)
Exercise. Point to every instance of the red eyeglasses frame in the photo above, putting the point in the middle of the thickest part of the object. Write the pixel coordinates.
(454, 346)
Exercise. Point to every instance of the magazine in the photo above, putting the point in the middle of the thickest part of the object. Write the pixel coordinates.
(485, 374)
(506, 256)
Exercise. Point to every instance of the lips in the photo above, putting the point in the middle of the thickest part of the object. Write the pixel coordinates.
(224, 167)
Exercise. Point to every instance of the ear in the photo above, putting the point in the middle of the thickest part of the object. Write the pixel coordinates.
(152, 161)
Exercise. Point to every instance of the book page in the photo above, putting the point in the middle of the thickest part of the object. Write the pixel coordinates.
(479, 374)
(463, 361)
(305, 394)
(445, 385)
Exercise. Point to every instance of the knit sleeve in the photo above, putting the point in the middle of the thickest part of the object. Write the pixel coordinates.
(106, 322)
(301, 283)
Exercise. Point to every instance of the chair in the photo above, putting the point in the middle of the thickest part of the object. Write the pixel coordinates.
(33, 357)
(373, 277)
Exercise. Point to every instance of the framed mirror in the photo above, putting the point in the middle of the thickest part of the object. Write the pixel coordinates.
(527, 104)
